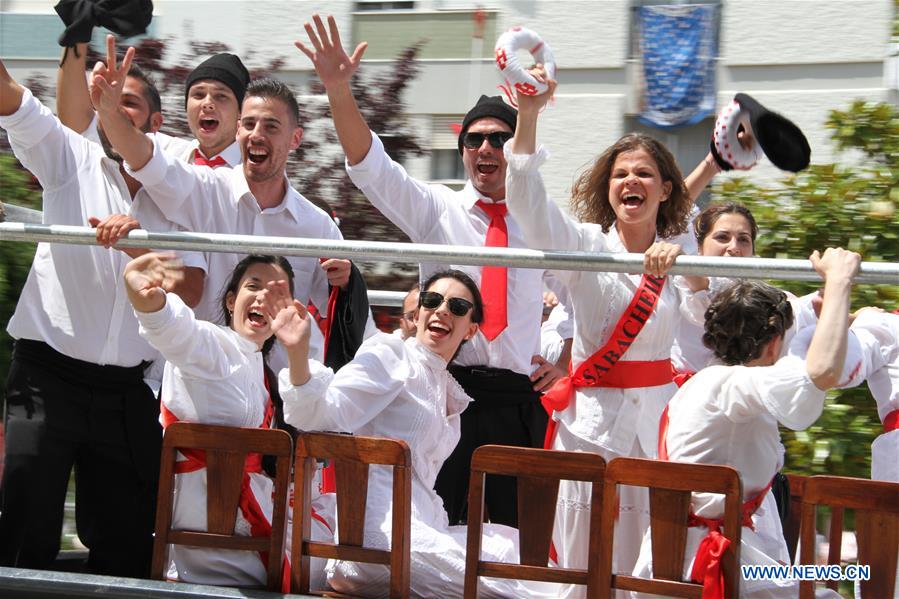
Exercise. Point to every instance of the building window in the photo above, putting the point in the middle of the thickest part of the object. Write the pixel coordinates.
(446, 166)
(374, 5)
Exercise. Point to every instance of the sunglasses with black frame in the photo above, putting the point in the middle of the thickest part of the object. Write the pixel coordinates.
(497, 139)
(432, 300)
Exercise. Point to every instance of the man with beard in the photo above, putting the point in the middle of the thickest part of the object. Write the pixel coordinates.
(213, 93)
(255, 199)
(76, 394)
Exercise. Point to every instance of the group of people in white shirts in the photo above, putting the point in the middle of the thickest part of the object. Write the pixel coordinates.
(469, 370)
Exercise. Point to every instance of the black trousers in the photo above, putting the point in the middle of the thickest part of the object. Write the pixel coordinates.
(506, 411)
(103, 421)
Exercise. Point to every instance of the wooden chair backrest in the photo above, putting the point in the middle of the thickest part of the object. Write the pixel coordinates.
(791, 526)
(352, 457)
(670, 486)
(538, 472)
(876, 505)
(226, 449)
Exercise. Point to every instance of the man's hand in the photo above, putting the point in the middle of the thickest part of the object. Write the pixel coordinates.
(115, 227)
(332, 65)
(546, 374)
(10, 92)
(108, 80)
(836, 263)
(338, 271)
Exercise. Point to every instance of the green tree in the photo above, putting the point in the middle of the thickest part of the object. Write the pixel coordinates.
(853, 206)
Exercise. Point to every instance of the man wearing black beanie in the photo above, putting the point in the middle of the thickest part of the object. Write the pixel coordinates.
(499, 367)
(213, 95)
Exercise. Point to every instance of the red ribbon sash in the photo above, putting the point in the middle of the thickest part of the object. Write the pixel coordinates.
(891, 422)
(595, 370)
(707, 563)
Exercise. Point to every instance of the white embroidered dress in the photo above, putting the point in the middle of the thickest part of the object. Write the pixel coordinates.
(402, 390)
(608, 421)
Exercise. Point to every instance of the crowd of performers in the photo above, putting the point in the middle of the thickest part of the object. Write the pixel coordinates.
(112, 345)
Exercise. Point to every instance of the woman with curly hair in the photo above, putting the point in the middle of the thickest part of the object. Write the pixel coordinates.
(729, 413)
(630, 200)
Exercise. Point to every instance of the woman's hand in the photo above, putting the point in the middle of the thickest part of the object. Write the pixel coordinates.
(148, 277)
(288, 316)
(660, 257)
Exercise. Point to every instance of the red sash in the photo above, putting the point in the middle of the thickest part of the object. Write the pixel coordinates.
(603, 368)
(891, 422)
(249, 506)
(707, 563)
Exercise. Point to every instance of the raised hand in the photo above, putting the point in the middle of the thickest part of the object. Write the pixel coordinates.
(836, 263)
(332, 65)
(147, 277)
(534, 104)
(108, 80)
(289, 318)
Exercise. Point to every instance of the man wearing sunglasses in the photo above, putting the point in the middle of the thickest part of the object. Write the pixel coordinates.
(500, 367)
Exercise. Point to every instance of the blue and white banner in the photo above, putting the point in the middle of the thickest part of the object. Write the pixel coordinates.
(677, 47)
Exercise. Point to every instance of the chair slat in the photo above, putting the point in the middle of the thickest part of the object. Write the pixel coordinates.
(537, 506)
(668, 525)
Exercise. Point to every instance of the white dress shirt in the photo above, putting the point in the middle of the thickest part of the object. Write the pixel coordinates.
(437, 214)
(74, 299)
(883, 383)
(184, 150)
(219, 201)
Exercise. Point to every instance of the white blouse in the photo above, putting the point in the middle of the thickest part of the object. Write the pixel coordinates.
(606, 417)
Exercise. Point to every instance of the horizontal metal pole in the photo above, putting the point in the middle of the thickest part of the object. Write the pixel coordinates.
(752, 268)
(392, 299)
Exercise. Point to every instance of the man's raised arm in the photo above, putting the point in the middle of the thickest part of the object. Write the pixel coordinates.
(10, 92)
(108, 82)
(336, 69)
(73, 100)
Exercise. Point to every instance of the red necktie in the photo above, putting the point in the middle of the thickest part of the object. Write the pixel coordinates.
(494, 278)
(201, 160)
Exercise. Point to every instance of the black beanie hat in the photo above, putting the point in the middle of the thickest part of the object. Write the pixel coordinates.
(489, 106)
(223, 67)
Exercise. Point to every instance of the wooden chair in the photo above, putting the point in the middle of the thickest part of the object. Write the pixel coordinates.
(791, 526)
(352, 457)
(876, 506)
(670, 486)
(226, 451)
(538, 472)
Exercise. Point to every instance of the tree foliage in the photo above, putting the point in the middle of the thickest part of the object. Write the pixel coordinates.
(848, 205)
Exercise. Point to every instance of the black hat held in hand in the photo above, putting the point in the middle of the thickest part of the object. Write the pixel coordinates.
(122, 17)
(779, 138)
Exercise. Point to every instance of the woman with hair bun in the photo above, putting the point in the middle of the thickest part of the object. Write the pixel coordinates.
(729, 413)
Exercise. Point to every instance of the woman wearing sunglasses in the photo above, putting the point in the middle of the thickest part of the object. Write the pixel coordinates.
(402, 390)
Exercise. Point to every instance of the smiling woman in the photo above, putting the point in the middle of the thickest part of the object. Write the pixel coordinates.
(217, 375)
(402, 390)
